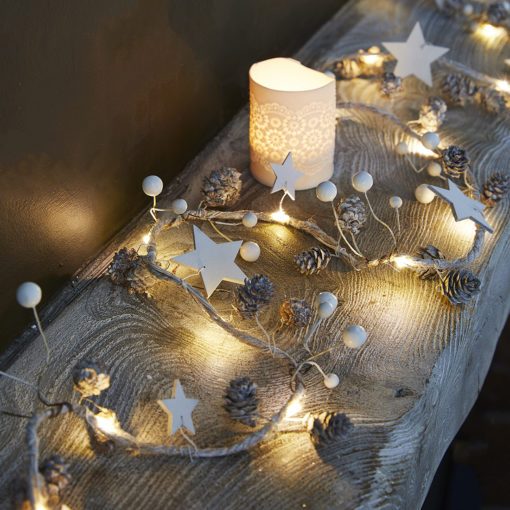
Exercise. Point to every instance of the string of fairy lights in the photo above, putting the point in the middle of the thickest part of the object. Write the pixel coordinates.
(214, 262)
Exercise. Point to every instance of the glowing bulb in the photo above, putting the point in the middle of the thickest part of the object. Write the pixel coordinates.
(39, 505)
(402, 261)
(372, 56)
(280, 216)
(106, 421)
(146, 238)
(503, 86)
(294, 408)
(489, 31)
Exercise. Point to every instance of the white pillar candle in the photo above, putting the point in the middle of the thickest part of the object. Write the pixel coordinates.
(292, 109)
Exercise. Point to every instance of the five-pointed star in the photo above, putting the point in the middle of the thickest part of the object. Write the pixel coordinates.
(463, 207)
(214, 261)
(179, 409)
(415, 56)
(286, 177)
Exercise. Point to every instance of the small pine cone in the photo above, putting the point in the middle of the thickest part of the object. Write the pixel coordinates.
(496, 187)
(222, 188)
(313, 260)
(459, 286)
(253, 295)
(295, 312)
(241, 401)
(492, 100)
(498, 12)
(459, 89)
(329, 427)
(352, 214)
(55, 472)
(347, 68)
(391, 84)
(430, 252)
(455, 161)
(129, 270)
(90, 378)
(432, 113)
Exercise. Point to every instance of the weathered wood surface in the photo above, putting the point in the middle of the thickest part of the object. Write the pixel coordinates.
(435, 354)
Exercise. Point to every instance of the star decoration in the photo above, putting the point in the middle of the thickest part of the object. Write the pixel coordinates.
(415, 56)
(463, 207)
(179, 409)
(286, 176)
(215, 262)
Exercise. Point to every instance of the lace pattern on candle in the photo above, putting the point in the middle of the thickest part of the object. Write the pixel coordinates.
(309, 133)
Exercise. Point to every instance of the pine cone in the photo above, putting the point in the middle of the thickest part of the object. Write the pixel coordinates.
(352, 214)
(55, 472)
(295, 312)
(90, 378)
(329, 427)
(459, 89)
(498, 12)
(492, 100)
(129, 270)
(312, 261)
(391, 84)
(347, 68)
(455, 161)
(459, 286)
(432, 113)
(429, 252)
(496, 187)
(241, 401)
(254, 294)
(222, 188)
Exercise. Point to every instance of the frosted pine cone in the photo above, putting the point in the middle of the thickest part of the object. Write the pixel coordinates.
(460, 286)
(496, 187)
(222, 188)
(55, 472)
(90, 378)
(241, 401)
(352, 214)
(329, 427)
(312, 261)
(492, 100)
(432, 113)
(459, 89)
(430, 252)
(129, 270)
(254, 294)
(391, 84)
(347, 68)
(455, 161)
(295, 312)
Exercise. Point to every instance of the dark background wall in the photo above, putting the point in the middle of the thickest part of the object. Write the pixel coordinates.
(95, 95)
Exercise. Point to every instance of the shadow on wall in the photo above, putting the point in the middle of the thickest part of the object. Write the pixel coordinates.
(96, 96)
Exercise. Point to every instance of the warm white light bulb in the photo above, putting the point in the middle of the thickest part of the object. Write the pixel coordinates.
(280, 216)
(489, 31)
(402, 261)
(294, 408)
(503, 86)
(106, 422)
(146, 238)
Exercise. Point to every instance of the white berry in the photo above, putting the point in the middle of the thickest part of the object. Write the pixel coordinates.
(326, 297)
(325, 310)
(331, 381)
(354, 336)
(402, 149)
(430, 140)
(326, 191)
(152, 185)
(179, 206)
(467, 10)
(395, 202)
(362, 181)
(434, 169)
(424, 194)
(250, 219)
(250, 251)
(29, 294)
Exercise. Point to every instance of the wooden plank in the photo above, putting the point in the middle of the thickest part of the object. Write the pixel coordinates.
(438, 354)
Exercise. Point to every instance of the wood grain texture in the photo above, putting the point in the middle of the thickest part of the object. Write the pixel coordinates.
(419, 346)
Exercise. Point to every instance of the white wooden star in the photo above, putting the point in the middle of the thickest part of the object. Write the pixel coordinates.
(216, 262)
(179, 409)
(463, 207)
(286, 176)
(415, 56)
